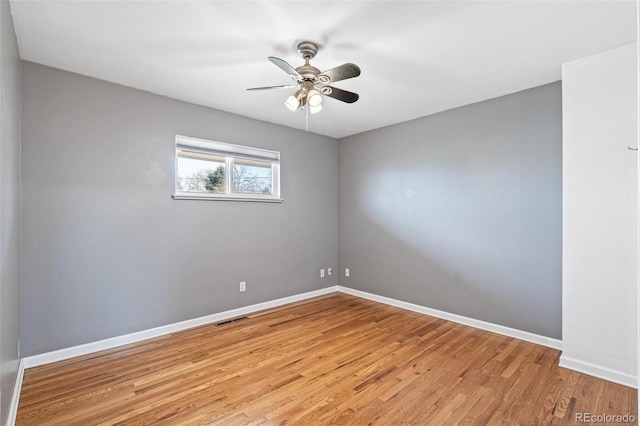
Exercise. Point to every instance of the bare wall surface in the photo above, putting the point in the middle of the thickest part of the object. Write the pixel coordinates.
(461, 211)
(600, 227)
(9, 207)
(108, 252)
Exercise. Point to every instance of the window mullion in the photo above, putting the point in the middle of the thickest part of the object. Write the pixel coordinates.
(228, 175)
(275, 181)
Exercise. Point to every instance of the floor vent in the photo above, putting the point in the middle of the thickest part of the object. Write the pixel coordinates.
(231, 321)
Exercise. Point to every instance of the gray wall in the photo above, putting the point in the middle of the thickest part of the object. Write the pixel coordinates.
(461, 211)
(9, 208)
(106, 251)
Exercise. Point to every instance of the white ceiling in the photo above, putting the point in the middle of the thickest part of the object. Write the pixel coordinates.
(417, 58)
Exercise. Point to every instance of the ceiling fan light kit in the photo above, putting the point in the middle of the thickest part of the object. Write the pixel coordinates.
(311, 82)
(306, 95)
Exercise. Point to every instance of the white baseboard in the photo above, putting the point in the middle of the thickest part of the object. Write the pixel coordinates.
(599, 371)
(15, 398)
(495, 328)
(88, 348)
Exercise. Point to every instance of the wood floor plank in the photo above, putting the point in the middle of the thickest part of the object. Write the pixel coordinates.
(335, 359)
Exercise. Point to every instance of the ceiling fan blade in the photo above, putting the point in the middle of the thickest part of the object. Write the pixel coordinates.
(284, 66)
(287, 86)
(339, 94)
(341, 72)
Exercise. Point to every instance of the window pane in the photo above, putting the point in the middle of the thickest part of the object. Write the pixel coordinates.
(252, 177)
(211, 170)
(198, 172)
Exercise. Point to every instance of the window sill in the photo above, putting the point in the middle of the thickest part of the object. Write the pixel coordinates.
(214, 198)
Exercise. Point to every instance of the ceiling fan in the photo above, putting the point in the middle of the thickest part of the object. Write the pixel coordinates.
(312, 83)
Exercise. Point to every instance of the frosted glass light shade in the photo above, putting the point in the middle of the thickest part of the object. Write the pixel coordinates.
(292, 103)
(314, 98)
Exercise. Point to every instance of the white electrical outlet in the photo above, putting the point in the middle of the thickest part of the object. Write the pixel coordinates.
(243, 286)
(321, 273)
(346, 272)
(329, 271)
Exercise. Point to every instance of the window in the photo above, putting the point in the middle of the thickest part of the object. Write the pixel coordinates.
(210, 170)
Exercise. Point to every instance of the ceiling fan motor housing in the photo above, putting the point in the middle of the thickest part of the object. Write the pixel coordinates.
(307, 71)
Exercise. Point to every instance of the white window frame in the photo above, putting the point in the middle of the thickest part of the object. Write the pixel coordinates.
(230, 152)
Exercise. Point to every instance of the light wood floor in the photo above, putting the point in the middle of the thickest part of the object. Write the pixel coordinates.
(336, 359)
